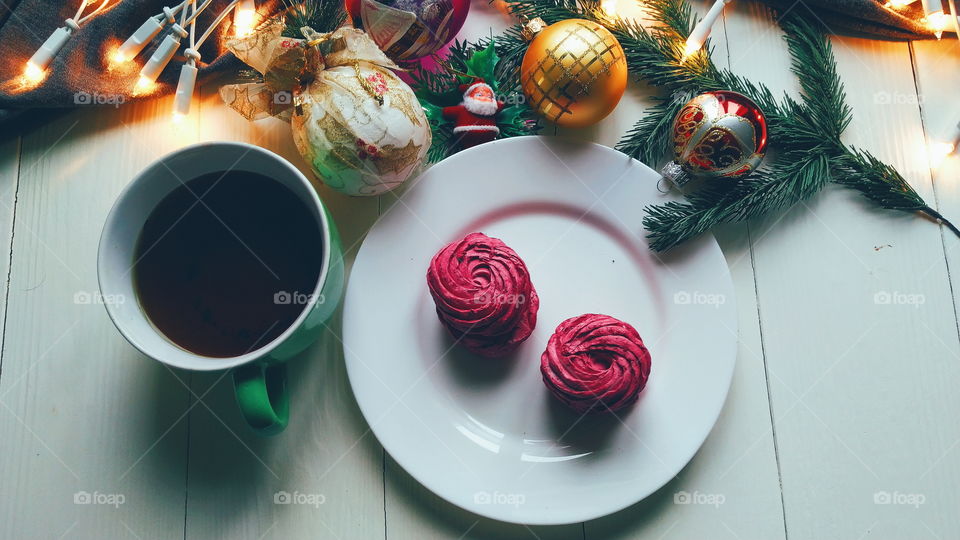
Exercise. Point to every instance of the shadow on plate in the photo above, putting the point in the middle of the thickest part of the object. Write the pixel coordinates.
(588, 433)
(470, 369)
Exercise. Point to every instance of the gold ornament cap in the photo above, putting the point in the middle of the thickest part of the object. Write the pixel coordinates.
(530, 28)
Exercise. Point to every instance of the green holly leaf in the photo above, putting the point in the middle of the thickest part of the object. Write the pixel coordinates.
(482, 64)
(443, 99)
(434, 113)
(510, 115)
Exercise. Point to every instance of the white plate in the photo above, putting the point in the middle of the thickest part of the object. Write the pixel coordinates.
(485, 434)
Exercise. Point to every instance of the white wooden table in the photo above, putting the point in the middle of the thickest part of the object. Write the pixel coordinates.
(841, 421)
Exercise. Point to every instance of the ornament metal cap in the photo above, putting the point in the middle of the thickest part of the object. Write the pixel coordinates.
(674, 174)
(530, 28)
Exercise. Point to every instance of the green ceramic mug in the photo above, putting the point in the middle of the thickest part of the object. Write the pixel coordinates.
(260, 375)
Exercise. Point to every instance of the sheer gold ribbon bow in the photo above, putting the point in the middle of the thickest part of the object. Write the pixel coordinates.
(288, 65)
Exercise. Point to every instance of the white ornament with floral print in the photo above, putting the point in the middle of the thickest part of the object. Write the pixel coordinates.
(361, 129)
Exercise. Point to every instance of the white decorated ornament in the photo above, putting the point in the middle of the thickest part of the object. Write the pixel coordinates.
(360, 138)
(358, 125)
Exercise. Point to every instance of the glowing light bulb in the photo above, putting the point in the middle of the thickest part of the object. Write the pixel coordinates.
(33, 73)
(118, 57)
(934, 17)
(938, 152)
(245, 17)
(609, 7)
(938, 22)
(702, 30)
(144, 86)
(159, 60)
(691, 47)
(36, 68)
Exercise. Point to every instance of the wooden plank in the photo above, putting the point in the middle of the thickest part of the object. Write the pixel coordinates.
(414, 512)
(9, 174)
(327, 453)
(859, 332)
(83, 416)
(937, 72)
(736, 467)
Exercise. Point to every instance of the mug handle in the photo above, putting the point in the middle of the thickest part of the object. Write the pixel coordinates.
(263, 397)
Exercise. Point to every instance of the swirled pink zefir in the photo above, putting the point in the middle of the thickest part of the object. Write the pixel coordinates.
(595, 363)
(483, 294)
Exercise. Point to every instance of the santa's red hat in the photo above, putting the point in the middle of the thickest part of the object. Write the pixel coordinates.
(467, 85)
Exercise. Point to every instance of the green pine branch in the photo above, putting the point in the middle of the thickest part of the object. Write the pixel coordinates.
(650, 138)
(883, 185)
(805, 132)
(321, 15)
(785, 183)
(811, 60)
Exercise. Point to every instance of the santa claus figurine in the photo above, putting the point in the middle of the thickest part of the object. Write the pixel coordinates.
(475, 119)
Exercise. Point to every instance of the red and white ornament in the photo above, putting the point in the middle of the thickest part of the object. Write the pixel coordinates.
(717, 134)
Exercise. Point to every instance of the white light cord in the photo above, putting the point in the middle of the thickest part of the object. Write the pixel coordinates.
(193, 27)
(216, 22)
(197, 11)
(83, 5)
(188, 72)
(169, 13)
(86, 17)
(144, 35)
(184, 13)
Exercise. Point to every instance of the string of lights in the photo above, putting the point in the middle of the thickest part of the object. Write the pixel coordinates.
(188, 72)
(702, 30)
(35, 70)
(245, 18)
(938, 16)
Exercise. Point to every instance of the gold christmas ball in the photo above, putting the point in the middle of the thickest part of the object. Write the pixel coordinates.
(574, 73)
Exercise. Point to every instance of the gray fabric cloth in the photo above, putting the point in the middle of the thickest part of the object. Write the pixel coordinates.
(81, 68)
(862, 18)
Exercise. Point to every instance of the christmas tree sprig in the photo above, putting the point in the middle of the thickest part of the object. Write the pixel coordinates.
(321, 15)
(805, 132)
(861, 171)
